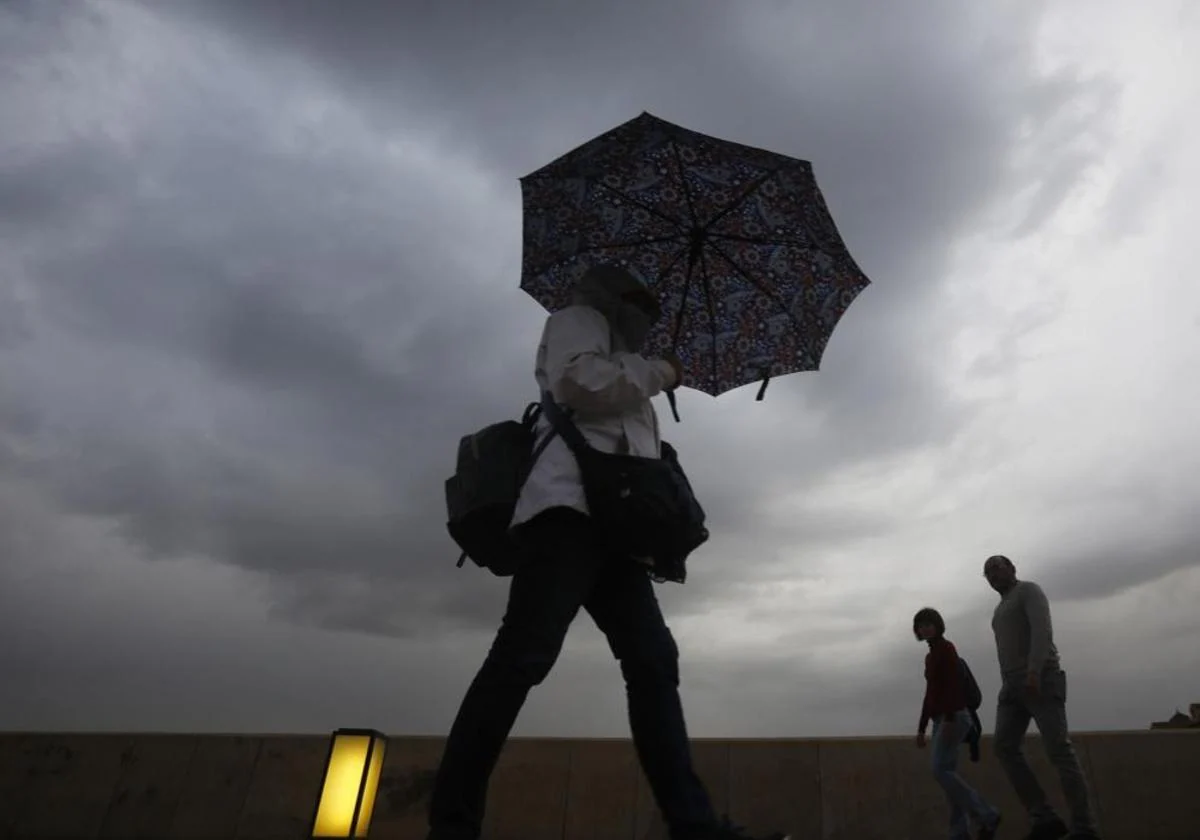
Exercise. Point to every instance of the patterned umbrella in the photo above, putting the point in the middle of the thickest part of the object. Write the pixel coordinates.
(736, 243)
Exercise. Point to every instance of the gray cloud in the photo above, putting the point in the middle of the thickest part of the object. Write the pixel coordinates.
(228, 261)
(1091, 566)
(262, 316)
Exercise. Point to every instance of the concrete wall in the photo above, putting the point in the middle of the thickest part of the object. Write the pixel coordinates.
(1147, 785)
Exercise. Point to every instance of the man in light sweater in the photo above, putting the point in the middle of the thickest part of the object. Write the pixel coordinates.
(1034, 687)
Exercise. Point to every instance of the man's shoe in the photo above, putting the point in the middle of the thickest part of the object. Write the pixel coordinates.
(726, 830)
(1052, 830)
(988, 832)
(444, 834)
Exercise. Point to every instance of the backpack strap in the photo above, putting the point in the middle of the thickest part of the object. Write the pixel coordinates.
(537, 453)
(532, 412)
(561, 421)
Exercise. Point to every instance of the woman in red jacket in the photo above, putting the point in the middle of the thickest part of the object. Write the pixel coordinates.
(946, 705)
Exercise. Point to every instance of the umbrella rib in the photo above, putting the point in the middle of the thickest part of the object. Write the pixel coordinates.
(761, 240)
(757, 285)
(644, 206)
(750, 190)
(712, 316)
(674, 260)
(687, 287)
(687, 193)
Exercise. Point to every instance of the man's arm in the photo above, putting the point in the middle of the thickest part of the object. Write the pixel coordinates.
(1037, 612)
(587, 377)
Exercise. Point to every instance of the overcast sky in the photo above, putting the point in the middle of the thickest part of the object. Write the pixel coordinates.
(258, 273)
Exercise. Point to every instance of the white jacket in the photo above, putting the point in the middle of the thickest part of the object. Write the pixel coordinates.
(610, 394)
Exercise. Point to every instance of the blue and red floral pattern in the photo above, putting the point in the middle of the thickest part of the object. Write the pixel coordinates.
(736, 243)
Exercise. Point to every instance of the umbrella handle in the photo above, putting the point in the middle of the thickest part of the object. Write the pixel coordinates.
(674, 409)
(762, 388)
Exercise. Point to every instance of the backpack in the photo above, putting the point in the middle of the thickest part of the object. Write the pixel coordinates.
(492, 466)
(970, 687)
(974, 701)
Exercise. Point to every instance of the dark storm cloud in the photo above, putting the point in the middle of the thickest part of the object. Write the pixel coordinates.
(295, 396)
(909, 126)
(1089, 566)
(313, 301)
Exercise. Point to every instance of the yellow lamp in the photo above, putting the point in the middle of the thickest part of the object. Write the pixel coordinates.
(351, 780)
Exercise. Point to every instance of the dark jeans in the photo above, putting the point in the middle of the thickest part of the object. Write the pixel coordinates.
(965, 801)
(1048, 708)
(569, 568)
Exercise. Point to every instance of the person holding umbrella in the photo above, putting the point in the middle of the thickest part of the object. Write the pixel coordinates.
(589, 360)
(666, 257)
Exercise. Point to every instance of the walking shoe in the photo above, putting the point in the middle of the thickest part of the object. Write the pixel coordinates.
(988, 832)
(1051, 830)
(726, 830)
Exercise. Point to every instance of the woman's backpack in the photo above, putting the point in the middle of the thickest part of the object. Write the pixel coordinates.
(974, 701)
(481, 496)
(970, 687)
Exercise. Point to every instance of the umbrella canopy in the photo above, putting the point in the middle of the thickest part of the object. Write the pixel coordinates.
(735, 242)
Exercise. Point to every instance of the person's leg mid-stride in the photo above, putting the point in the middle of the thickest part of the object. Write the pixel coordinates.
(966, 803)
(569, 568)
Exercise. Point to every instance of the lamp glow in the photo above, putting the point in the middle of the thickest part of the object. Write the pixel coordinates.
(352, 773)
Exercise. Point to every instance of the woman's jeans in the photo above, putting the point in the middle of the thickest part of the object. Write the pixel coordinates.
(965, 801)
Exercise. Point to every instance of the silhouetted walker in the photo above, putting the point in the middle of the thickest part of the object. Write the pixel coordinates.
(588, 361)
(1034, 687)
(946, 704)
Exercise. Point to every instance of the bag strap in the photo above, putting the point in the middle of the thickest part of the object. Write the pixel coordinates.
(531, 414)
(537, 453)
(561, 422)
